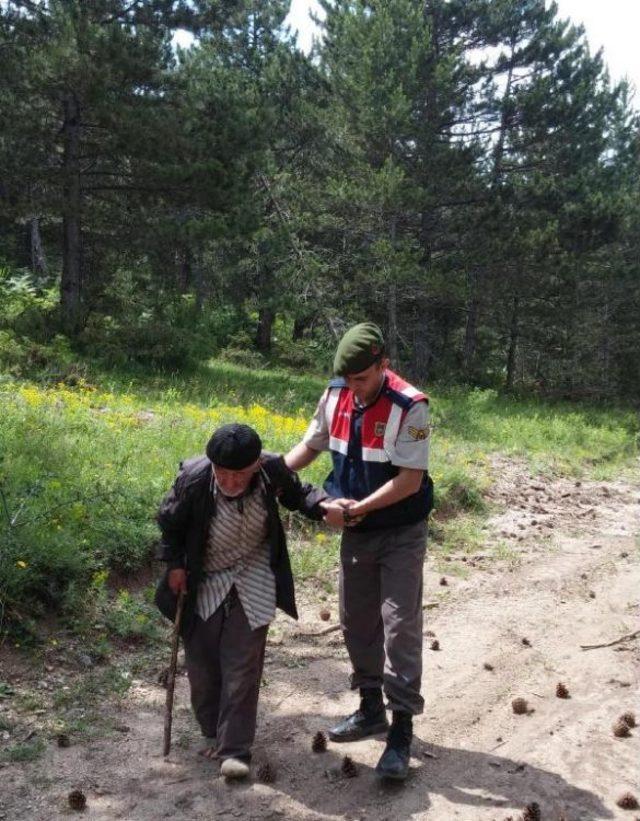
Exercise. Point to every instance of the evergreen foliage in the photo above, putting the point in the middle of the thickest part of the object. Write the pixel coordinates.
(462, 171)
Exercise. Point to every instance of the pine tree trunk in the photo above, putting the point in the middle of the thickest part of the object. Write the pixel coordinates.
(184, 265)
(392, 307)
(266, 318)
(72, 256)
(200, 282)
(392, 324)
(471, 328)
(300, 325)
(37, 258)
(513, 345)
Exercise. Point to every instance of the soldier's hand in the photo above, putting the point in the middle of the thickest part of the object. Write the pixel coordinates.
(335, 510)
(178, 581)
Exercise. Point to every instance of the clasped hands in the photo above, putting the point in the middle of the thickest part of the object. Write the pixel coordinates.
(335, 510)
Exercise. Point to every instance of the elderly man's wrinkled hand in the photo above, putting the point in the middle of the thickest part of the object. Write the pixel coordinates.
(178, 581)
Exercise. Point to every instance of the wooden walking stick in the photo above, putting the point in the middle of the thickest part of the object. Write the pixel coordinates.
(171, 678)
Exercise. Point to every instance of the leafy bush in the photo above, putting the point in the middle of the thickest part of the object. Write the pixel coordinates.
(28, 341)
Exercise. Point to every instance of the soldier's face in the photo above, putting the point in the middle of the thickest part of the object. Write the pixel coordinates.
(234, 482)
(366, 384)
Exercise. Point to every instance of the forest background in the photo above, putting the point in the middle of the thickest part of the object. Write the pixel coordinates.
(464, 173)
(185, 233)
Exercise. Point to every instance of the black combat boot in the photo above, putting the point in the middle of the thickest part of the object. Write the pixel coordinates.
(394, 762)
(369, 719)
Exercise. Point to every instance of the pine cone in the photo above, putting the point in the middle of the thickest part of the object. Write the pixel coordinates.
(627, 801)
(532, 812)
(443, 582)
(266, 773)
(77, 800)
(319, 743)
(63, 740)
(325, 614)
(629, 719)
(621, 730)
(488, 666)
(519, 706)
(348, 768)
(561, 690)
(526, 642)
(435, 644)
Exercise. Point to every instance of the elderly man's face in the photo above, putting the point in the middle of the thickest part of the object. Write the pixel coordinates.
(235, 482)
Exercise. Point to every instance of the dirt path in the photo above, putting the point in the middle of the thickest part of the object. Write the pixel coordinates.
(560, 569)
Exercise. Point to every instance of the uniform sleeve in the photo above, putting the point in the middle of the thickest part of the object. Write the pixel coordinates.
(412, 445)
(317, 435)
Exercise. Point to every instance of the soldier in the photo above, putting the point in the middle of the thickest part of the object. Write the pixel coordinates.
(375, 425)
(226, 549)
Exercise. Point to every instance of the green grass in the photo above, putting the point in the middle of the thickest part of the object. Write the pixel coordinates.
(20, 753)
(83, 468)
(93, 687)
(316, 557)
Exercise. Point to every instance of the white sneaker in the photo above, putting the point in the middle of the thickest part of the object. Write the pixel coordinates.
(234, 768)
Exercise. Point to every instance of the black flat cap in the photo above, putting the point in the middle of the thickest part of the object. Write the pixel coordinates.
(234, 447)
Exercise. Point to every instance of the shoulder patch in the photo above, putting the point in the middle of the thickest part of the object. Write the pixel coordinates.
(418, 434)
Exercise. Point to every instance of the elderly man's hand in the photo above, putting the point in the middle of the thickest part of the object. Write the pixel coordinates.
(178, 581)
(334, 513)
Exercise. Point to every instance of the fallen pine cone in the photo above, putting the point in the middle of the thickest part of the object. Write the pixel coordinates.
(621, 729)
(443, 582)
(325, 615)
(319, 743)
(561, 690)
(488, 666)
(435, 644)
(628, 801)
(348, 768)
(629, 719)
(266, 773)
(77, 800)
(519, 706)
(526, 642)
(63, 740)
(532, 812)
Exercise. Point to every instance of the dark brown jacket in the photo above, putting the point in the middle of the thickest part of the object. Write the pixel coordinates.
(185, 516)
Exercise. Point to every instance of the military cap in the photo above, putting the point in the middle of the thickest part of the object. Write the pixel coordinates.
(234, 447)
(358, 349)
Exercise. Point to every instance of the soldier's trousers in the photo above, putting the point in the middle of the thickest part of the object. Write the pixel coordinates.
(381, 611)
(224, 659)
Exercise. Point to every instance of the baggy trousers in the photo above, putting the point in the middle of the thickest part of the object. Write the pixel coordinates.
(381, 611)
(224, 659)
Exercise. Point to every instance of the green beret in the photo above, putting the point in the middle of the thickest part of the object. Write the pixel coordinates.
(358, 349)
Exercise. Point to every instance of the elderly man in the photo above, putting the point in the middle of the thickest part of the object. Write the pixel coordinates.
(375, 425)
(226, 549)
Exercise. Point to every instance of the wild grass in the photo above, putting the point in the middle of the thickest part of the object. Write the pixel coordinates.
(84, 465)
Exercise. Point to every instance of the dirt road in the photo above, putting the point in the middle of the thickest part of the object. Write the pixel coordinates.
(560, 570)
